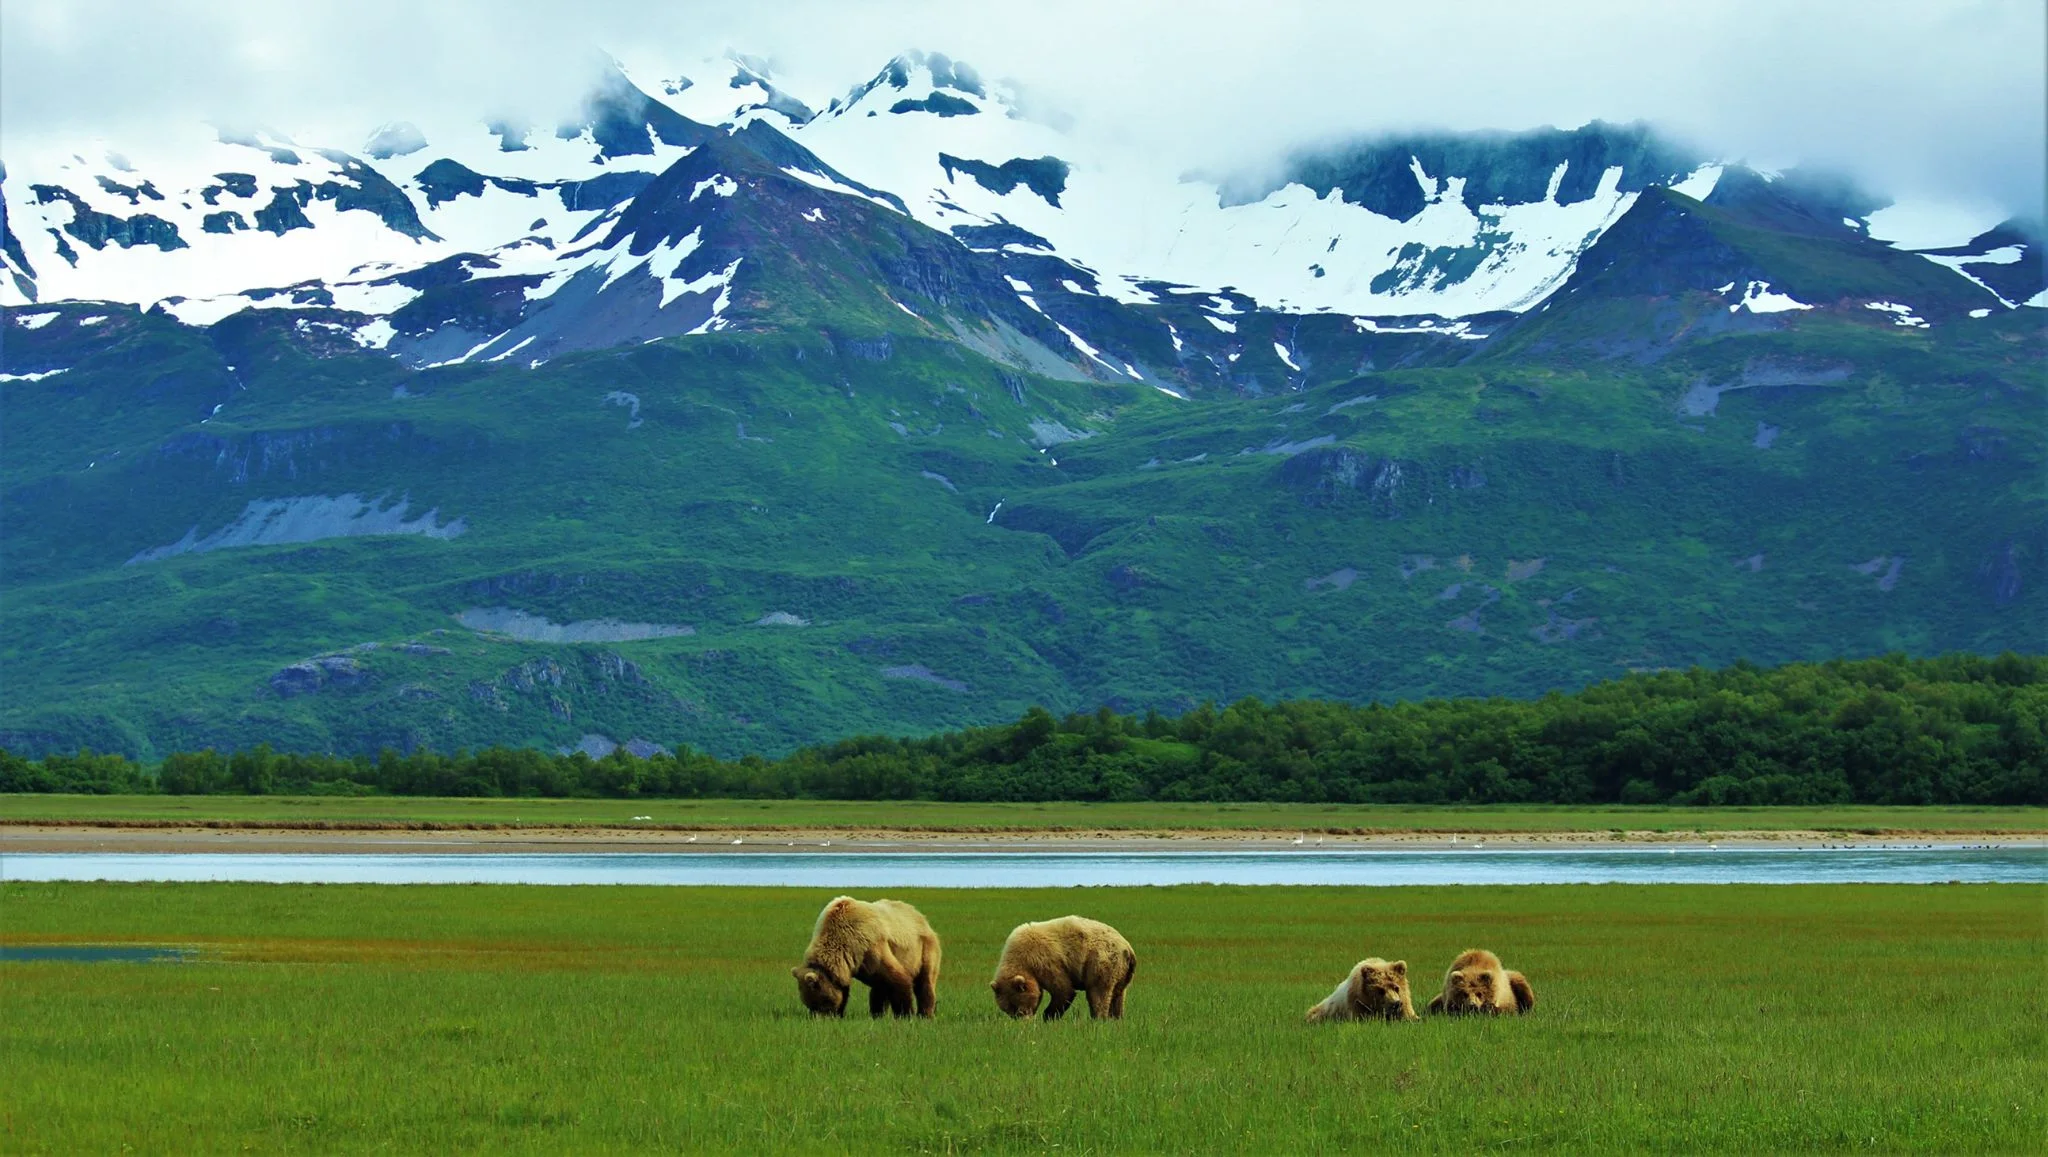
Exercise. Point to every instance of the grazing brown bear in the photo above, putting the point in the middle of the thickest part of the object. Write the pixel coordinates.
(1375, 990)
(1056, 958)
(1477, 983)
(885, 945)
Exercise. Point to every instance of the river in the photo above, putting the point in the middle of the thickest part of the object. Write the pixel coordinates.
(1054, 869)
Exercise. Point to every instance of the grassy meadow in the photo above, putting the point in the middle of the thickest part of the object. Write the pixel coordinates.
(410, 1019)
(914, 815)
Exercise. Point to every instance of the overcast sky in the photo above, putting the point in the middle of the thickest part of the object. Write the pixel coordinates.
(1941, 100)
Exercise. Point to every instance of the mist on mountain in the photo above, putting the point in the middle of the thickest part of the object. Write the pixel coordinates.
(1941, 104)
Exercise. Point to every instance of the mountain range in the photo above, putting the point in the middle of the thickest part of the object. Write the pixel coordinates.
(717, 417)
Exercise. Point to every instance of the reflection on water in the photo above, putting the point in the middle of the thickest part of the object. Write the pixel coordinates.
(95, 953)
(953, 869)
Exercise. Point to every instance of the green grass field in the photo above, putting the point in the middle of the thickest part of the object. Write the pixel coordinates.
(986, 816)
(411, 1019)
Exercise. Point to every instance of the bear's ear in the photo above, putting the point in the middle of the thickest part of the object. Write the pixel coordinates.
(996, 985)
(797, 972)
(1020, 982)
(1399, 967)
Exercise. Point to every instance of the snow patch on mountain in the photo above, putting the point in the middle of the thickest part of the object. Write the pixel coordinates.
(2003, 255)
(1759, 297)
(1901, 314)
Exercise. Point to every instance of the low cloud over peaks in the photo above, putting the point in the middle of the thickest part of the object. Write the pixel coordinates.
(1943, 102)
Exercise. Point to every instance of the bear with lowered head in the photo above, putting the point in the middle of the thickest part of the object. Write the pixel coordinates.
(1478, 984)
(1054, 959)
(886, 945)
(1375, 990)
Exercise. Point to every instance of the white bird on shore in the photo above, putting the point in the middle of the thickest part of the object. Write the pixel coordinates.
(1298, 841)
(736, 839)
(825, 843)
(691, 840)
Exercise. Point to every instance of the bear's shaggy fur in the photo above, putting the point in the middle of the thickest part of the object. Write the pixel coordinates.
(885, 945)
(1477, 983)
(1375, 990)
(1055, 959)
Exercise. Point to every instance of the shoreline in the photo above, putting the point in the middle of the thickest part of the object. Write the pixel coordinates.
(263, 837)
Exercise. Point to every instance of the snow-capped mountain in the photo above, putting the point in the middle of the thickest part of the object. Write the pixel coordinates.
(1399, 228)
(658, 212)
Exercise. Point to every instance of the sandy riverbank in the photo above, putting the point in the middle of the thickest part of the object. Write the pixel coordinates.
(22, 838)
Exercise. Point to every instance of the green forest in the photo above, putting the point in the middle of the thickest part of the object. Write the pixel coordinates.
(1892, 730)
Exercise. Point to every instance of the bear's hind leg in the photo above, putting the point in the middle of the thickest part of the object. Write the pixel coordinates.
(1116, 999)
(1525, 996)
(878, 1001)
(927, 991)
(1099, 1002)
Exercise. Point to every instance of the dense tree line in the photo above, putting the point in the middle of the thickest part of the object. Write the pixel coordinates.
(1959, 729)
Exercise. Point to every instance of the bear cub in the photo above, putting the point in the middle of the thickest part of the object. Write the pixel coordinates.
(1375, 990)
(1477, 983)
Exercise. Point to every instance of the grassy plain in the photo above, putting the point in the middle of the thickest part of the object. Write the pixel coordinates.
(916, 815)
(1729, 1018)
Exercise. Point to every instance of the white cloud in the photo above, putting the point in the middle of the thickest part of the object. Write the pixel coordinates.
(1940, 100)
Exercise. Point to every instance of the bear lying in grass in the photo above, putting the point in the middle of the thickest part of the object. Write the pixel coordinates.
(886, 945)
(1477, 983)
(1055, 959)
(1375, 990)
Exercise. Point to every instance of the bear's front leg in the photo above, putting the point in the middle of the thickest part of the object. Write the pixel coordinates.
(894, 984)
(1058, 1000)
(878, 1000)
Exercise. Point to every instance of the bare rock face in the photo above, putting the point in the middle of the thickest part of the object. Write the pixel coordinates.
(2000, 574)
(320, 673)
(1323, 475)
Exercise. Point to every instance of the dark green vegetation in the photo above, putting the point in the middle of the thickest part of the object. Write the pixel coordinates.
(837, 518)
(1959, 730)
(1722, 1018)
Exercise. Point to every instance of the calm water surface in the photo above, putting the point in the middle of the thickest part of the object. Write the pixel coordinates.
(955, 869)
(95, 953)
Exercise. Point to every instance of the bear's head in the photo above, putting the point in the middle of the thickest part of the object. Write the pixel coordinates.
(820, 993)
(1016, 995)
(1471, 990)
(1382, 990)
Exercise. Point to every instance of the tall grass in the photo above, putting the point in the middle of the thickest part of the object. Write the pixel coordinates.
(1728, 1018)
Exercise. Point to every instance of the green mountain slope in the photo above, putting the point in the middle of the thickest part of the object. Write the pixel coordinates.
(843, 516)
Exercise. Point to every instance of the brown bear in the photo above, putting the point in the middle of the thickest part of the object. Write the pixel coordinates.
(1056, 958)
(1375, 990)
(1477, 983)
(885, 945)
